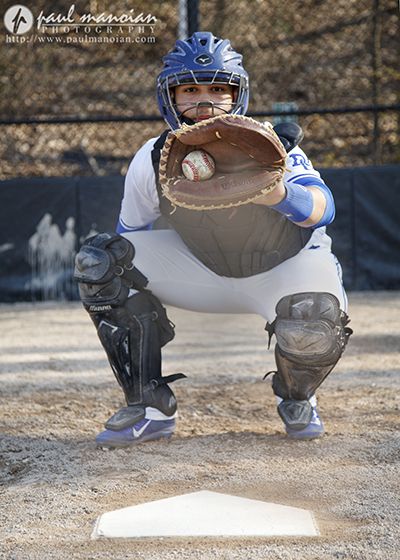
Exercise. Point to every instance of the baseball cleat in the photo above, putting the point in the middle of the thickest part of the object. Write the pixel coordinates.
(315, 428)
(146, 429)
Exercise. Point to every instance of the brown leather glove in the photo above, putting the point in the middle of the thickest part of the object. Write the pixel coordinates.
(248, 155)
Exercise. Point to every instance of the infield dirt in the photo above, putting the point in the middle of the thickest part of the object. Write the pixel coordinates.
(57, 390)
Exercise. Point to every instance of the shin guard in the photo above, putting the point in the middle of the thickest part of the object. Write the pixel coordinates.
(132, 330)
(311, 336)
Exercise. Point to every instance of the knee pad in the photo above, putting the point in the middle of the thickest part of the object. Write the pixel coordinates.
(105, 272)
(310, 328)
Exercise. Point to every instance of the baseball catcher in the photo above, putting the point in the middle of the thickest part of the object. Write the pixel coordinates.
(222, 214)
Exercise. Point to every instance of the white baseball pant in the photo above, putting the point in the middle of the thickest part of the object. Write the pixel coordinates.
(179, 279)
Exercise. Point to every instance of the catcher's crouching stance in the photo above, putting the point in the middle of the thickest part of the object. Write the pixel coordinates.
(249, 239)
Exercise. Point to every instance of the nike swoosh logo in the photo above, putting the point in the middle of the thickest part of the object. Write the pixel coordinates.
(138, 433)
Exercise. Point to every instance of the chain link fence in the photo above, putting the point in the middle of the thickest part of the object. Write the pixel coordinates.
(321, 57)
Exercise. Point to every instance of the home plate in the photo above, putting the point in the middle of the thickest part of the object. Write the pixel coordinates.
(203, 514)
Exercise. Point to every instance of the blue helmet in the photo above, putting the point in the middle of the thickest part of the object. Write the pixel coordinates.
(201, 59)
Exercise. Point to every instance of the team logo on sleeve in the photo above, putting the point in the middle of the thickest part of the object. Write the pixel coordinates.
(300, 160)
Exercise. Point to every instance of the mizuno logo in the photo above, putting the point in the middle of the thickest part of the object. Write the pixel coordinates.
(137, 433)
(203, 59)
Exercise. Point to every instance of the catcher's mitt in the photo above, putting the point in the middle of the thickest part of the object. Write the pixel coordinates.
(249, 159)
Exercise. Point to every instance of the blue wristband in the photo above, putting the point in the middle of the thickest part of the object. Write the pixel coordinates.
(298, 204)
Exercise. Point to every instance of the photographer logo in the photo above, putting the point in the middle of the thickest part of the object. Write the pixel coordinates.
(18, 19)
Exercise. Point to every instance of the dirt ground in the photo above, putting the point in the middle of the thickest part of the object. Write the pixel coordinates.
(57, 390)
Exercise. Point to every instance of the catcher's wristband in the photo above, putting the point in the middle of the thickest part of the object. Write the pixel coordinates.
(298, 204)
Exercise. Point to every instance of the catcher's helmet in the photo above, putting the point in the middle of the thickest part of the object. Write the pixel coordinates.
(201, 59)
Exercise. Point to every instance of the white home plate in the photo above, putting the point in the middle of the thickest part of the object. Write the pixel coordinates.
(206, 514)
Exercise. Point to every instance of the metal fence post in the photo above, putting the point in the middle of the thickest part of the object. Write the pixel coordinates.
(193, 16)
(376, 79)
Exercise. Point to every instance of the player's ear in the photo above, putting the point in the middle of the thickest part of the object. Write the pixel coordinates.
(235, 91)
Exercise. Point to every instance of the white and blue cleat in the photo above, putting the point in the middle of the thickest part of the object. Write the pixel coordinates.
(301, 418)
(314, 430)
(155, 425)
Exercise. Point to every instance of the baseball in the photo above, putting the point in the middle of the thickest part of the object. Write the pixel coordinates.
(198, 166)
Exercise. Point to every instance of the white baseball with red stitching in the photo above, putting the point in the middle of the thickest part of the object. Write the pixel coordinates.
(198, 166)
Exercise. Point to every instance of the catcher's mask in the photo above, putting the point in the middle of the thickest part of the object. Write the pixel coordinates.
(201, 59)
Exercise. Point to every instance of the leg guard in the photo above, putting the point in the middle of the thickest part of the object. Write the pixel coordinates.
(132, 330)
(311, 336)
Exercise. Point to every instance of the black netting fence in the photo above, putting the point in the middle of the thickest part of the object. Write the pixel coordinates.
(319, 58)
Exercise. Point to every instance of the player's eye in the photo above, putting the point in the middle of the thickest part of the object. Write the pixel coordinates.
(219, 89)
(190, 89)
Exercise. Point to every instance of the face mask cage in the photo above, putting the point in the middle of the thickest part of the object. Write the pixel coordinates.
(201, 77)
